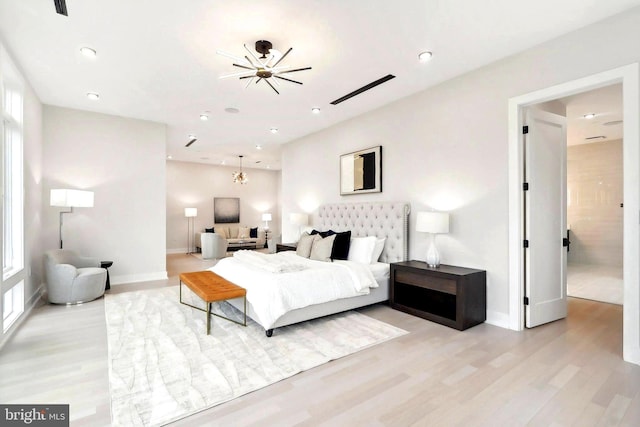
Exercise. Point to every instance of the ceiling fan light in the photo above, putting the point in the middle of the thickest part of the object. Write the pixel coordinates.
(425, 56)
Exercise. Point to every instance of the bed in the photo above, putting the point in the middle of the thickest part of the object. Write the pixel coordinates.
(383, 220)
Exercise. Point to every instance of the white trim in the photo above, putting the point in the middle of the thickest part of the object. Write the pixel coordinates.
(629, 76)
(177, 251)
(29, 306)
(132, 278)
(497, 318)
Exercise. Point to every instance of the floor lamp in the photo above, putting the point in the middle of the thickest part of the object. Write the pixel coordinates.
(190, 213)
(266, 217)
(70, 199)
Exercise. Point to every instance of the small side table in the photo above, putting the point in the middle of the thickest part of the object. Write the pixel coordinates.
(106, 265)
(280, 247)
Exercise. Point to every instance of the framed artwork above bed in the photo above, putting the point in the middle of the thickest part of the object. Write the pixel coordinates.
(226, 210)
(361, 171)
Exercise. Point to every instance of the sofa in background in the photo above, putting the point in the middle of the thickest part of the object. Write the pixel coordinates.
(234, 234)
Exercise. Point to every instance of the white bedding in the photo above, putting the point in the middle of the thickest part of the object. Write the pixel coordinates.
(274, 294)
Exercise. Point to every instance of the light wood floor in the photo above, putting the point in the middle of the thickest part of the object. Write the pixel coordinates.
(566, 373)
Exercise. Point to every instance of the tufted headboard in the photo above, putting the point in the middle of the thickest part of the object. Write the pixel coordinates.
(383, 219)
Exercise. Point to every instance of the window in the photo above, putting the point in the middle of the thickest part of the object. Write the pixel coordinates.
(11, 186)
(12, 206)
(12, 305)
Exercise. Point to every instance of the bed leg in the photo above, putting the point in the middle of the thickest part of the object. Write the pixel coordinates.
(269, 332)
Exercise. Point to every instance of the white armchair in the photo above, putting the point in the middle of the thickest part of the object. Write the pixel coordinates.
(214, 245)
(72, 279)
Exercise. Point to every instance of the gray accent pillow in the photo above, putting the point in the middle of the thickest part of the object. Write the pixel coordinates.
(321, 248)
(305, 243)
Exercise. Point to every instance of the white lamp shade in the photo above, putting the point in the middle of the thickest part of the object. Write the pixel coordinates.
(432, 222)
(71, 198)
(299, 219)
(266, 217)
(190, 212)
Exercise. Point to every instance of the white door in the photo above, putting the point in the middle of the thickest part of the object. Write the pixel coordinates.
(545, 217)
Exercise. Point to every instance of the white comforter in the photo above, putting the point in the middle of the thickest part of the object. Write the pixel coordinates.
(273, 294)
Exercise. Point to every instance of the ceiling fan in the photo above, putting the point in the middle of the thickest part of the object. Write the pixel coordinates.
(264, 68)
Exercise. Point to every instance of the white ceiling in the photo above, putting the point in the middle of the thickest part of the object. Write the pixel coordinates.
(157, 58)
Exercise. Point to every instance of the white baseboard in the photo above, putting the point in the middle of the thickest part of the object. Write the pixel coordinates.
(177, 251)
(132, 278)
(497, 319)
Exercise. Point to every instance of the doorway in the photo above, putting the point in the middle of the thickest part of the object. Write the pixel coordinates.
(628, 76)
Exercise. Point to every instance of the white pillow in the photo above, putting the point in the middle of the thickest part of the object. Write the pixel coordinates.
(305, 244)
(321, 248)
(361, 249)
(243, 233)
(377, 250)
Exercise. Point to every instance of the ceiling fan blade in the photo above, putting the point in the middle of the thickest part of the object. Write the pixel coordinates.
(251, 62)
(289, 80)
(247, 77)
(61, 7)
(294, 70)
(254, 57)
(272, 86)
(243, 66)
(230, 56)
(240, 74)
(249, 82)
(282, 57)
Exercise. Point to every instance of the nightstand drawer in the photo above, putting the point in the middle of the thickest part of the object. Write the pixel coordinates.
(430, 282)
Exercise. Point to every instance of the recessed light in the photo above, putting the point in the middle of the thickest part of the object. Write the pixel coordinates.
(93, 96)
(315, 110)
(425, 56)
(274, 130)
(204, 117)
(232, 110)
(88, 52)
(258, 147)
(169, 157)
(589, 116)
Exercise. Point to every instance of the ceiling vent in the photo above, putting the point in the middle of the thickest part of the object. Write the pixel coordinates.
(61, 7)
(364, 89)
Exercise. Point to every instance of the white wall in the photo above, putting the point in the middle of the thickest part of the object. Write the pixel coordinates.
(594, 193)
(194, 185)
(123, 161)
(446, 148)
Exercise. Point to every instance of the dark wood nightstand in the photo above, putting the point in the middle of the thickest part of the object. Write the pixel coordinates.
(453, 296)
(280, 247)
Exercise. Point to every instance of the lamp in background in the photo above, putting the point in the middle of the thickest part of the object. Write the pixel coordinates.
(299, 219)
(190, 213)
(266, 217)
(433, 223)
(70, 199)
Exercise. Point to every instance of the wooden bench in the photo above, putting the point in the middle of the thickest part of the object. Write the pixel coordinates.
(211, 288)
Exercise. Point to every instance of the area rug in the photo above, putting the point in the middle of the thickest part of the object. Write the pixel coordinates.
(163, 367)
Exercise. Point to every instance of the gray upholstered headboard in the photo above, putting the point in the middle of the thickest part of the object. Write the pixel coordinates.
(384, 219)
